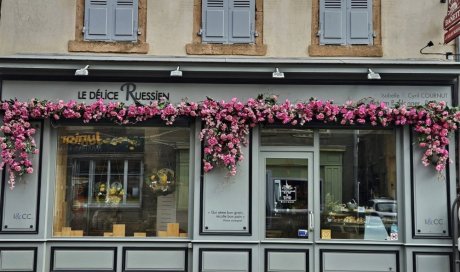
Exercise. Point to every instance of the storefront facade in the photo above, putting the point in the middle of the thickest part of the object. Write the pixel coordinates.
(321, 197)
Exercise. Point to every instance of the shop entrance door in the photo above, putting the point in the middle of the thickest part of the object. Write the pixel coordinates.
(288, 182)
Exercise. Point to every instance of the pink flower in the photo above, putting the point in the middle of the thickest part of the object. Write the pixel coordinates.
(212, 141)
(207, 167)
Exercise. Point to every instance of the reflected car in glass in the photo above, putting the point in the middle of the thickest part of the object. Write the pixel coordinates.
(384, 207)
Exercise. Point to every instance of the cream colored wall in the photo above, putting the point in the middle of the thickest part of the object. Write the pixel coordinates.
(169, 26)
(408, 25)
(29, 26)
(287, 27)
(36, 26)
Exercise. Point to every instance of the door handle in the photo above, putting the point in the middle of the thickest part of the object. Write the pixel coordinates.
(310, 221)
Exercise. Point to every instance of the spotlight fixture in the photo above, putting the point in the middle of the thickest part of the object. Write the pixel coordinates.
(277, 74)
(372, 75)
(83, 71)
(176, 73)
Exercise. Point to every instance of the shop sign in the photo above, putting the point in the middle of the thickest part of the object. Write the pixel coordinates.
(130, 93)
(451, 21)
(452, 33)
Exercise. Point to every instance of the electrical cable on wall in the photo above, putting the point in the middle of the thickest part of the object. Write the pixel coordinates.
(430, 44)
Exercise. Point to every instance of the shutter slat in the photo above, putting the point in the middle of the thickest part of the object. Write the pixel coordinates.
(333, 3)
(98, 2)
(242, 3)
(359, 4)
(215, 3)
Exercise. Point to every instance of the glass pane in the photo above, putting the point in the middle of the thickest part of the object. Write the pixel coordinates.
(286, 137)
(287, 198)
(118, 181)
(358, 184)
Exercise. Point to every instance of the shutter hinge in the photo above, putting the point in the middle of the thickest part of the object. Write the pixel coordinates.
(374, 34)
(139, 32)
(256, 34)
(83, 29)
(200, 32)
(318, 33)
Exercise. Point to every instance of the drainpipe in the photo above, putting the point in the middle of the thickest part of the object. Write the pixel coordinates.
(457, 49)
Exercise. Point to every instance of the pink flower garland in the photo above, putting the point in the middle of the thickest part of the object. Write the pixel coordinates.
(226, 124)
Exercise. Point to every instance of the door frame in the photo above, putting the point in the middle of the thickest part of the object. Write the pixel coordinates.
(294, 153)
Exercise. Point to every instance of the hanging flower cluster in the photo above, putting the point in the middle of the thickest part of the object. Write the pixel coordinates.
(226, 125)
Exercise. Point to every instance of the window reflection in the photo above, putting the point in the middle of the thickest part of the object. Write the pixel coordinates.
(358, 184)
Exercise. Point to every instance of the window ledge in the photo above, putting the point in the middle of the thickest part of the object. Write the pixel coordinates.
(108, 47)
(226, 49)
(345, 50)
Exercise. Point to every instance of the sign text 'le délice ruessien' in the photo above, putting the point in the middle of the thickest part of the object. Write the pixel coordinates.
(128, 91)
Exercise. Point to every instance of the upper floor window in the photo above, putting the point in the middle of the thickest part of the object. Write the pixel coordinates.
(106, 26)
(346, 22)
(346, 28)
(228, 21)
(111, 20)
(227, 27)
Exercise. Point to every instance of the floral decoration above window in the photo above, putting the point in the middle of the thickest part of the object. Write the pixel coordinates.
(226, 124)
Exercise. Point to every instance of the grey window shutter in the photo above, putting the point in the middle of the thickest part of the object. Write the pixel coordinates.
(215, 21)
(333, 22)
(97, 20)
(125, 20)
(241, 21)
(359, 23)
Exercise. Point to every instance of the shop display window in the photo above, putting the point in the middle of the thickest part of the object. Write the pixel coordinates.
(122, 181)
(358, 184)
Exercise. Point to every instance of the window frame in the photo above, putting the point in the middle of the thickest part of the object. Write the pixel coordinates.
(79, 44)
(181, 123)
(197, 47)
(327, 50)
